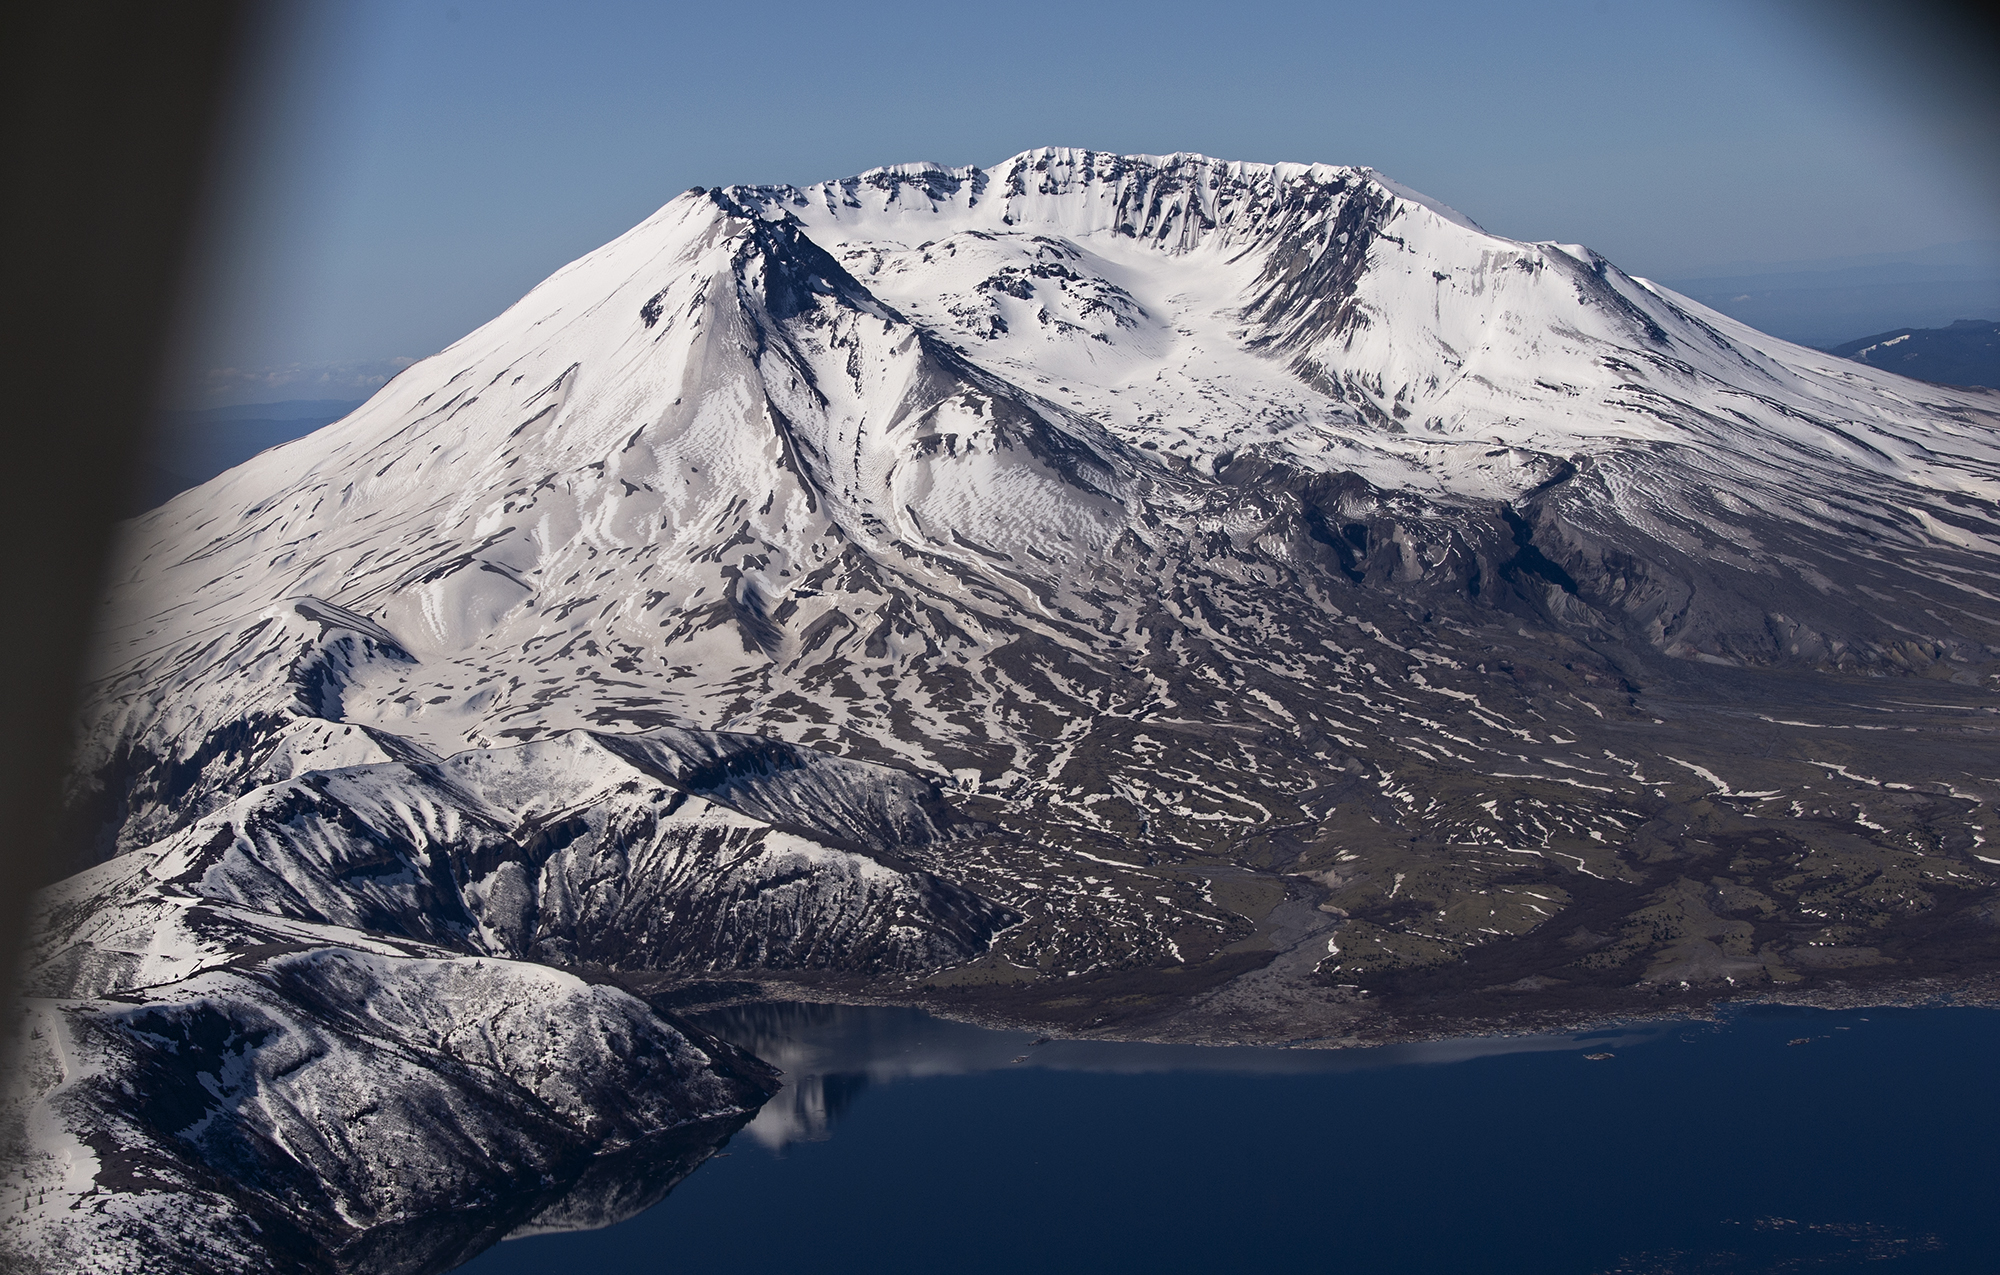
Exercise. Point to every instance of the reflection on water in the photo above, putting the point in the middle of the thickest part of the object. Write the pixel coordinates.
(617, 1187)
(601, 1192)
(830, 1054)
(1775, 1139)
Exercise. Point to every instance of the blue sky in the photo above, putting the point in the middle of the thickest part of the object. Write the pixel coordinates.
(401, 172)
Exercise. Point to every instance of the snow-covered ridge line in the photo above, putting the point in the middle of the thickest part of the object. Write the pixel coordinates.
(1180, 201)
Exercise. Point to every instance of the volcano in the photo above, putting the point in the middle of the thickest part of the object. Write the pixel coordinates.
(1148, 596)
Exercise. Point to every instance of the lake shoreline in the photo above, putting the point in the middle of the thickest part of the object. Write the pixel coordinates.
(1376, 1022)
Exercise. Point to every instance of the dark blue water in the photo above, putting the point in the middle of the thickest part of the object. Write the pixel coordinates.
(909, 1144)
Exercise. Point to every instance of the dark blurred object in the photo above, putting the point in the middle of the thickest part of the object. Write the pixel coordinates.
(1966, 353)
(110, 113)
(1936, 59)
(191, 447)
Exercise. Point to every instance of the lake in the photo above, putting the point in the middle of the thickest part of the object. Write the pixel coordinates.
(1776, 1139)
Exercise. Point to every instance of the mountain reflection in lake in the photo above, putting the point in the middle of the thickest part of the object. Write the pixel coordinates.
(831, 1053)
(1778, 1139)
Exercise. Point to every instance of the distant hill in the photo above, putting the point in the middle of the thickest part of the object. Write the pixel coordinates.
(191, 447)
(1966, 353)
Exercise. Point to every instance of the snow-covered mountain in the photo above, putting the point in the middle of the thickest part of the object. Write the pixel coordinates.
(656, 489)
(1148, 594)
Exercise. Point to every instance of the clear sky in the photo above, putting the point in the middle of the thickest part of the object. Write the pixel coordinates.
(402, 170)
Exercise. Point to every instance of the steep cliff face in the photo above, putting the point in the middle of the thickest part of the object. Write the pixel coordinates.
(1134, 593)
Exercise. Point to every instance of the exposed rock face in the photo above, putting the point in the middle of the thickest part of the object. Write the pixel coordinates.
(1156, 595)
(672, 849)
(318, 1099)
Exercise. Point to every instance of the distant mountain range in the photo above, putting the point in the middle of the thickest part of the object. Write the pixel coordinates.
(1137, 595)
(1966, 353)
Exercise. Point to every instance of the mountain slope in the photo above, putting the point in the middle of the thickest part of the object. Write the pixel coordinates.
(1156, 595)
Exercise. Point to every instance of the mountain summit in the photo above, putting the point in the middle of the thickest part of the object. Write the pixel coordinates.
(1153, 595)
